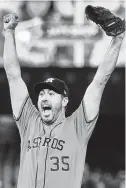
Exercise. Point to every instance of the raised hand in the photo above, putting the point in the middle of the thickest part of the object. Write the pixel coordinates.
(10, 21)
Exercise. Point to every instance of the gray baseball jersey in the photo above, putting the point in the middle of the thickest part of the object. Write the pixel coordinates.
(52, 158)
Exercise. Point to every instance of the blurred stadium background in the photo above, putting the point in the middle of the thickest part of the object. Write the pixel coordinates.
(54, 38)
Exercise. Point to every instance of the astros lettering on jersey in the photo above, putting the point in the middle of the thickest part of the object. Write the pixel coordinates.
(52, 158)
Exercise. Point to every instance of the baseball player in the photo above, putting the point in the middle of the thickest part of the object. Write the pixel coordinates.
(53, 147)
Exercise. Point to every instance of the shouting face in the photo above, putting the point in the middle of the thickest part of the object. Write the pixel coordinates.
(51, 105)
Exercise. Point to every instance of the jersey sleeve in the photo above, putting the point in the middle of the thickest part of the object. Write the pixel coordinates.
(83, 127)
(28, 113)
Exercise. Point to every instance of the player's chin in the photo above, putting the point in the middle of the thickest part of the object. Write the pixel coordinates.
(47, 120)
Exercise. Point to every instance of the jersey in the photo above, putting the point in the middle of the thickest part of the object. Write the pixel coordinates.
(52, 158)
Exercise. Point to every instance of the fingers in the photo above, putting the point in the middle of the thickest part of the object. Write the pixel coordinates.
(6, 19)
(15, 16)
(10, 17)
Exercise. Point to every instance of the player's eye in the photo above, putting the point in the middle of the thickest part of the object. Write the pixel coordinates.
(41, 93)
(51, 93)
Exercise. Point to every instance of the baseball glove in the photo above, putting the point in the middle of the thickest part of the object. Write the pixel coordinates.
(111, 24)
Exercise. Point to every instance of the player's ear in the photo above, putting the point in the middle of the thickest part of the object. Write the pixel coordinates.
(65, 101)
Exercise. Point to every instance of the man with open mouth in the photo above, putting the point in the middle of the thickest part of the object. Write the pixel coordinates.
(53, 97)
(53, 147)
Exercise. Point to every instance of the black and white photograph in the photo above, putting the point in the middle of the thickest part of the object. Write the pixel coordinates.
(62, 94)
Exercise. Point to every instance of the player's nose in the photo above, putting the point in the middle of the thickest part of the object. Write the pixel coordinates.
(45, 102)
(45, 98)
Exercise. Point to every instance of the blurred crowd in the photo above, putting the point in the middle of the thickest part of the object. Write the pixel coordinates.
(100, 179)
(57, 33)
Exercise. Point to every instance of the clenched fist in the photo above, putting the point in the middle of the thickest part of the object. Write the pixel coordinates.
(10, 21)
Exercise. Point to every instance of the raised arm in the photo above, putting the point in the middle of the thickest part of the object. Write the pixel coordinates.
(92, 97)
(18, 89)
